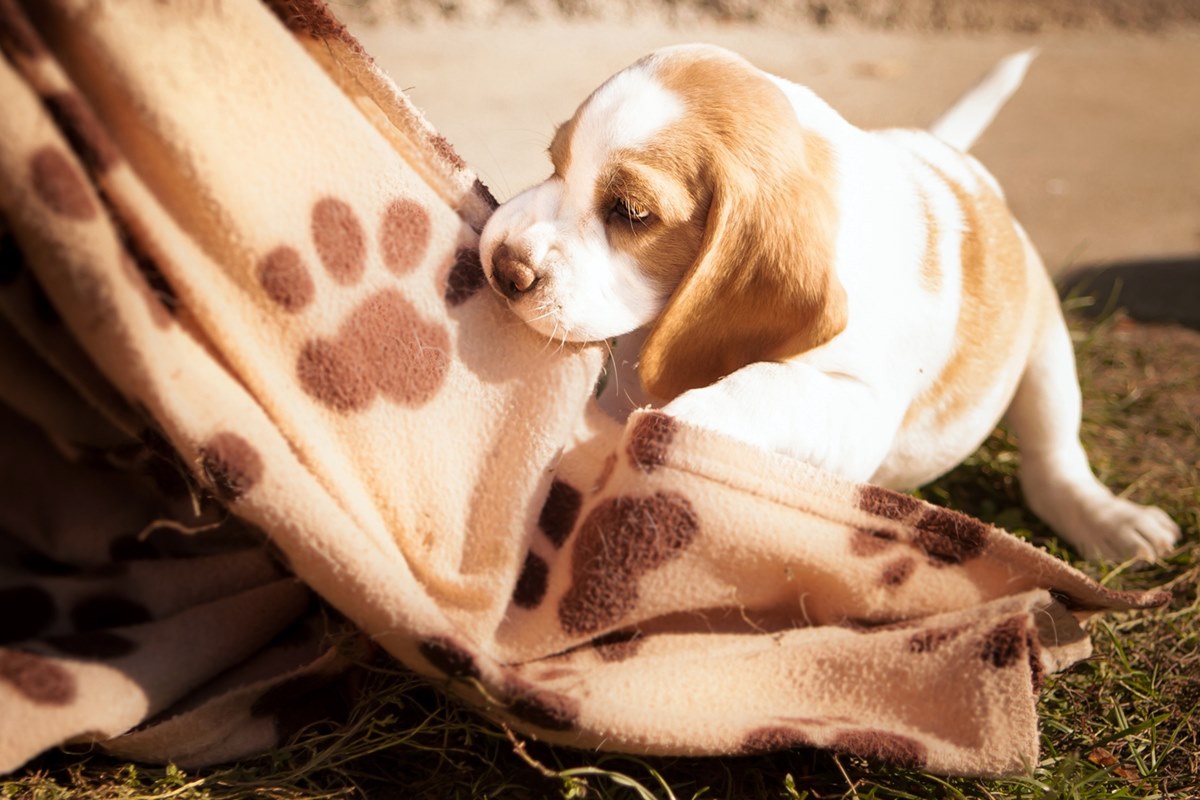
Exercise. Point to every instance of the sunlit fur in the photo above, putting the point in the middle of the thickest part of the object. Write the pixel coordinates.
(863, 301)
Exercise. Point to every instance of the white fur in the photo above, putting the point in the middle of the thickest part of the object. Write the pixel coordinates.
(969, 117)
(841, 406)
(588, 291)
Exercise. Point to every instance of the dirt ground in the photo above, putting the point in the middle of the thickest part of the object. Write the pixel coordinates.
(1099, 151)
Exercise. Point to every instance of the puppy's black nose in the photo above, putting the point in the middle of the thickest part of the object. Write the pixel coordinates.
(513, 275)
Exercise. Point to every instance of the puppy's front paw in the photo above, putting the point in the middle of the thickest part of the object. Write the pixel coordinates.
(1119, 530)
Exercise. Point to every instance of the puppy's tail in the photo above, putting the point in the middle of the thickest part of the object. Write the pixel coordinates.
(970, 116)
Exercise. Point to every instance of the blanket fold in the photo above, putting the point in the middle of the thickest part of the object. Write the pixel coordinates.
(243, 337)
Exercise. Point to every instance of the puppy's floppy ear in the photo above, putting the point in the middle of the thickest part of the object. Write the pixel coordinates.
(763, 287)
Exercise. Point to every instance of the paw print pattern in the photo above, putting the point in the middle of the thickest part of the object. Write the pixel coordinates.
(36, 678)
(60, 186)
(622, 540)
(384, 346)
(945, 536)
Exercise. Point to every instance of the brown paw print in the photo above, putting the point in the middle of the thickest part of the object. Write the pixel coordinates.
(621, 540)
(384, 346)
(945, 536)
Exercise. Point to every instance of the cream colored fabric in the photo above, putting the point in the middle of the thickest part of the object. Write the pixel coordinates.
(237, 260)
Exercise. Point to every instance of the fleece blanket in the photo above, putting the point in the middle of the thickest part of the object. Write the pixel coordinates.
(248, 359)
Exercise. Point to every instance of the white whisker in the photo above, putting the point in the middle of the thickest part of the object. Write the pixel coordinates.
(612, 368)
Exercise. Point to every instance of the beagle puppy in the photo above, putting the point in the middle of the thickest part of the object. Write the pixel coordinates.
(861, 300)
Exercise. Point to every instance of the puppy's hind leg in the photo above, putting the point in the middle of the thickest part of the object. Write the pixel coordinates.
(1055, 476)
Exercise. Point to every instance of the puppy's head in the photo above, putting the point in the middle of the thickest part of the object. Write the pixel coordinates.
(687, 193)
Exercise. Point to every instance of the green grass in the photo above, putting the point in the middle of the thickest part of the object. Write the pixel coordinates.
(1121, 725)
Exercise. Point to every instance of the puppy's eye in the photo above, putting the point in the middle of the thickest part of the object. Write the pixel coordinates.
(628, 212)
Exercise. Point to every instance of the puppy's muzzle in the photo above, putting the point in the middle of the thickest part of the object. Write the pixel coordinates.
(512, 274)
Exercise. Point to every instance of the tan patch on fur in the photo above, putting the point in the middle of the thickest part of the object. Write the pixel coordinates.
(560, 145)
(761, 285)
(995, 284)
(931, 262)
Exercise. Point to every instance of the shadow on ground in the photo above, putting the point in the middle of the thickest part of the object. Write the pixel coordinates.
(1161, 290)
